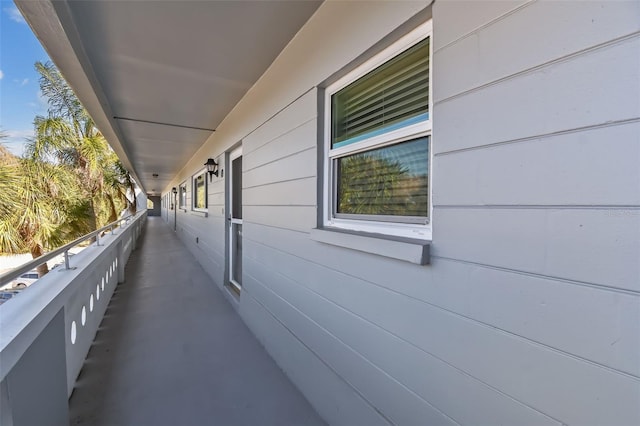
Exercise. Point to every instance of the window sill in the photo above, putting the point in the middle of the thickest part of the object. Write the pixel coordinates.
(200, 213)
(401, 248)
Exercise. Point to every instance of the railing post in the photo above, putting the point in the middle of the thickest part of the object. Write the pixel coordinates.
(66, 260)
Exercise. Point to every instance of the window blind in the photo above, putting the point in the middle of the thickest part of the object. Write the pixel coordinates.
(393, 95)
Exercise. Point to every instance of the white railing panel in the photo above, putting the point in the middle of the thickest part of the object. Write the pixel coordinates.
(80, 295)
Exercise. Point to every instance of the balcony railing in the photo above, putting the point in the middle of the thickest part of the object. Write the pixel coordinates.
(47, 330)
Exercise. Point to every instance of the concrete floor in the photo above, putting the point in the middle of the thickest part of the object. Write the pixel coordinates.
(172, 351)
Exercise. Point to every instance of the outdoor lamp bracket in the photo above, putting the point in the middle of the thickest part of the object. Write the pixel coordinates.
(175, 191)
(212, 168)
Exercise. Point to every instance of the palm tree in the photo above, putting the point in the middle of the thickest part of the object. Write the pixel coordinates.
(69, 182)
(69, 136)
(43, 208)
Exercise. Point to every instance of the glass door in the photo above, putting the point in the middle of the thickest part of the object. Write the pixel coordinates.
(234, 219)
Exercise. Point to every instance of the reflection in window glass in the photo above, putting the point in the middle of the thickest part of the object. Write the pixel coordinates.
(388, 181)
(182, 195)
(237, 253)
(200, 192)
(236, 207)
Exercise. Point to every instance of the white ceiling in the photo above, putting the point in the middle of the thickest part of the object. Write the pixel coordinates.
(164, 74)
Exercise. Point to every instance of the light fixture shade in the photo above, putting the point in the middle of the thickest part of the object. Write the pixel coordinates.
(212, 167)
(174, 190)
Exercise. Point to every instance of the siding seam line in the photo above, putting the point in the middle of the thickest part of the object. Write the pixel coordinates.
(295, 336)
(291, 130)
(280, 158)
(189, 230)
(590, 127)
(384, 330)
(275, 114)
(245, 221)
(600, 287)
(485, 25)
(464, 317)
(530, 70)
(279, 205)
(278, 181)
(365, 359)
(539, 206)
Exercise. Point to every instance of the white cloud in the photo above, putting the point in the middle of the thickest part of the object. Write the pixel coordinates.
(16, 140)
(22, 82)
(19, 135)
(1, 75)
(14, 14)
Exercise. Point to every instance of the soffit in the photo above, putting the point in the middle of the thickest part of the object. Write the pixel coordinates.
(164, 74)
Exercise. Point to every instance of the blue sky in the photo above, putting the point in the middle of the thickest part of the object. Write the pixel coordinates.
(20, 98)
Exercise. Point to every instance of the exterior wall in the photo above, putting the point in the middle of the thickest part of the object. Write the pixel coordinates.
(529, 312)
(156, 210)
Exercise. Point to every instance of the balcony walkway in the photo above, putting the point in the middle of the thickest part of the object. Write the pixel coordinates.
(172, 351)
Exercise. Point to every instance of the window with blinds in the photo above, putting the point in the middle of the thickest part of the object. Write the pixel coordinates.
(200, 192)
(379, 138)
(182, 195)
(392, 96)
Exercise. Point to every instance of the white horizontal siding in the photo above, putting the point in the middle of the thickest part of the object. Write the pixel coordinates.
(297, 166)
(215, 184)
(299, 139)
(281, 135)
(419, 373)
(589, 245)
(299, 192)
(573, 318)
(381, 390)
(503, 49)
(508, 363)
(582, 91)
(326, 390)
(595, 167)
(458, 18)
(297, 218)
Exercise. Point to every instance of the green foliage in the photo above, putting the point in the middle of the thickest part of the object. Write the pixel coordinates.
(69, 136)
(42, 206)
(373, 185)
(69, 181)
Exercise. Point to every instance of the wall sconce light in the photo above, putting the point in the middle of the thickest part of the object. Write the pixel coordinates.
(174, 207)
(212, 168)
(175, 191)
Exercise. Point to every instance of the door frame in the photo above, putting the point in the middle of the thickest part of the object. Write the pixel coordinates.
(229, 220)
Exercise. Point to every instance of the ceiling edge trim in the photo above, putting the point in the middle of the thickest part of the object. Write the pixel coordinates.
(53, 25)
